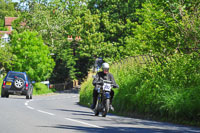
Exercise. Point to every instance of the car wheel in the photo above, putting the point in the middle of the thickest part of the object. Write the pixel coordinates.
(19, 83)
(7, 95)
(27, 97)
(29, 94)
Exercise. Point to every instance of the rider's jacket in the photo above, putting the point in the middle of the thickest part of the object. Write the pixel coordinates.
(104, 76)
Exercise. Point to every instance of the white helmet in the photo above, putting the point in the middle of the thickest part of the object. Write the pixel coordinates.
(105, 66)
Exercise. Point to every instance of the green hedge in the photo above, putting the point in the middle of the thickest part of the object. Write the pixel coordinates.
(40, 88)
(169, 91)
(86, 92)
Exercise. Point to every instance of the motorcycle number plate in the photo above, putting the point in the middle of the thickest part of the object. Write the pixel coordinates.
(107, 87)
(8, 83)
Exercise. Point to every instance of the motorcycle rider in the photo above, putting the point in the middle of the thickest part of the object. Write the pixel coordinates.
(105, 75)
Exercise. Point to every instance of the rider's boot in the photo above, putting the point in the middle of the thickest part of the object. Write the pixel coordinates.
(94, 103)
(111, 107)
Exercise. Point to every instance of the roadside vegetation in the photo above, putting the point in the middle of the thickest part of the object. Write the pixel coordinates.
(168, 91)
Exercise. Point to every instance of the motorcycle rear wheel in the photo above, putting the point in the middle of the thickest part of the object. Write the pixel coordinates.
(107, 107)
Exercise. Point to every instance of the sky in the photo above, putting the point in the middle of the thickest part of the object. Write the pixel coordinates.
(15, 0)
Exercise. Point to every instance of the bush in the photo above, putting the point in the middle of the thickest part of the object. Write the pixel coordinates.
(86, 92)
(40, 88)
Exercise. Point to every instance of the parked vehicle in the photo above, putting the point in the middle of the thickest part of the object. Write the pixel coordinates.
(103, 99)
(17, 83)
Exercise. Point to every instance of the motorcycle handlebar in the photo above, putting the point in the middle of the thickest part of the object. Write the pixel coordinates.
(113, 85)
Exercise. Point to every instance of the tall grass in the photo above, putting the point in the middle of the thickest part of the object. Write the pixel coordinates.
(170, 90)
(87, 91)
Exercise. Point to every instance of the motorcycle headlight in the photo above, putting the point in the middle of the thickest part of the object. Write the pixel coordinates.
(98, 90)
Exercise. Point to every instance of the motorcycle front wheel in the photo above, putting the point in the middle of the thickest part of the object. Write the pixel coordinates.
(107, 107)
(96, 111)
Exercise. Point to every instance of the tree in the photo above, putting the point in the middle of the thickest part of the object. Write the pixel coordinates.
(7, 8)
(154, 32)
(31, 55)
(185, 15)
(49, 20)
(54, 22)
(6, 56)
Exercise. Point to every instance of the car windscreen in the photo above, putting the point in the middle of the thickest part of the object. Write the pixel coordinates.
(16, 75)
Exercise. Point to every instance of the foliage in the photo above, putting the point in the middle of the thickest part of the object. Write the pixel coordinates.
(56, 24)
(189, 28)
(6, 56)
(118, 10)
(39, 88)
(154, 34)
(86, 92)
(186, 19)
(7, 8)
(166, 90)
(31, 55)
(3, 29)
(110, 29)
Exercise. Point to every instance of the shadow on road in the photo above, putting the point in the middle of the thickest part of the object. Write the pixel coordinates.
(77, 112)
(115, 129)
(15, 97)
(137, 125)
(81, 113)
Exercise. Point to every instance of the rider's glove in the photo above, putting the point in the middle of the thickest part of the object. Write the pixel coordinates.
(116, 86)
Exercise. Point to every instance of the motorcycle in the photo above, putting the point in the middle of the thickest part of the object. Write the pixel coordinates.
(103, 99)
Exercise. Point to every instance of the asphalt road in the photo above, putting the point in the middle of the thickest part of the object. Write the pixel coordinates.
(61, 113)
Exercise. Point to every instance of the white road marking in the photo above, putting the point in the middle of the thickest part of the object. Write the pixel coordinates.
(30, 107)
(45, 112)
(26, 103)
(83, 123)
